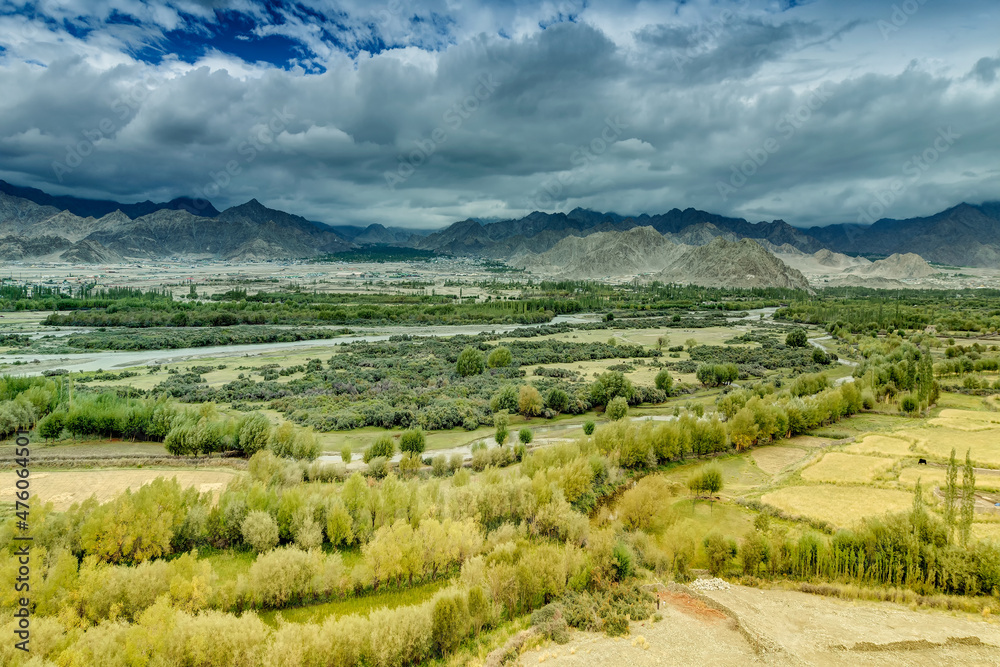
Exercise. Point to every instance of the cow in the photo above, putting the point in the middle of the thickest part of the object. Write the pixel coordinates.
(922, 462)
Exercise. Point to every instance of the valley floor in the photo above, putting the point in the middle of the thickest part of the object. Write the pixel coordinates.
(778, 627)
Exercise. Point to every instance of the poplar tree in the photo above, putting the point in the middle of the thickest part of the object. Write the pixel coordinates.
(950, 492)
(968, 499)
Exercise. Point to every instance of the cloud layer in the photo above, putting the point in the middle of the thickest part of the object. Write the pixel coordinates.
(420, 114)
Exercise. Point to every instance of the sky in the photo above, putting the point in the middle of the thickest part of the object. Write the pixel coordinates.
(421, 113)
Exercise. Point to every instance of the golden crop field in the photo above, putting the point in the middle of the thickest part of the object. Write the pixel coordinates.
(838, 505)
(838, 467)
(881, 444)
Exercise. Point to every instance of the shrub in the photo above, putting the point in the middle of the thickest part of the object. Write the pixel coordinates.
(378, 467)
(51, 425)
(455, 462)
(820, 357)
(663, 381)
(254, 433)
(551, 623)
(500, 357)
(260, 531)
(529, 401)
(617, 409)
(557, 400)
(525, 436)
(413, 441)
(506, 399)
(410, 462)
(447, 623)
(588, 427)
(470, 362)
(797, 338)
(383, 447)
(719, 552)
(345, 454)
(610, 385)
(439, 465)
(909, 403)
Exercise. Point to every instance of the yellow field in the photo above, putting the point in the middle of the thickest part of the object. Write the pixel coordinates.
(774, 459)
(847, 468)
(838, 505)
(881, 444)
(938, 441)
(63, 488)
(931, 477)
(967, 420)
(986, 531)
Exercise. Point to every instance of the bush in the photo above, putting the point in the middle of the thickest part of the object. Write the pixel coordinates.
(609, 386)
(455, 462)
(345, 454)
(588, 427)
(413, 441)
(506, 399)
(617, 409)
(378, 467)
(383, 447)
(260, 531)
(529, 401)
(439, 465)
(557, 400)
(820, 357)
(719, 552)
(525, 436)
(909, 403)
(551, 623)
(447, 623)
(663, 381)
(797, 338)
(254, 433)
(470, 362)
(51, 425)
(500, 357)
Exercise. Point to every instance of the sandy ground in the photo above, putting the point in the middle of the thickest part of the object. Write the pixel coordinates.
(788, 628)
(63, 488)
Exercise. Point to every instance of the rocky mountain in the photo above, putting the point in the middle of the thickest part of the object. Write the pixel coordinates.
(897, 267)
(637, 251)
(96, 208)
(964, 235)
(722, 263)
(643, 251)
(90, 252)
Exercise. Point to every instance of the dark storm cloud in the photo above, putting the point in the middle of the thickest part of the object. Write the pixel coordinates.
(495, 115)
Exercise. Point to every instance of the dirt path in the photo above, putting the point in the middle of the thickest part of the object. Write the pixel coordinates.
(773, 627)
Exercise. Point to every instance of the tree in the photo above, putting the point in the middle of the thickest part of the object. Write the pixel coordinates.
(662, 342)
(505, 399)
(617, 409)
(950, 492)
(690, 343)
(500, 357)
(470, 362)
(743, 430)
(610, 385)
(557, 400)
(797, 338)
(819, 356)
(383, 446)
(412, 441)
(339, 525)
(254, 433)
(500, 422)
(260, 531)
(51, 425)
(447, 624)
(663, 381)
(968, 498)
(525, 436)
(529, 401)
(588, 427)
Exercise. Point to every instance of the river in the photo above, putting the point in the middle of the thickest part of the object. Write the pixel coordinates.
(108, 360)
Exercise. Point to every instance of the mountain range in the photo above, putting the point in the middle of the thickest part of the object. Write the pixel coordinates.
(34, 224)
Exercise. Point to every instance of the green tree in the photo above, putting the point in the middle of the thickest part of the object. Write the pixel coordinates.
(501, 421)
(254, 433)
(413, 441)
(260, 531)
(617, 409)
(505, 399)
(950, 492)
(499, 357)
(690, 343)
(610, 385)
(663, 381)
(447, 624)
(51, 425)
(384, 446)
(525, 436)
(588, 427)
(968, 498)
(470, 362)
(797, 337)
(557, 400)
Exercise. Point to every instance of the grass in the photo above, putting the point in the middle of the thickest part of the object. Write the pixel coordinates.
(838, 505)
(938, 442)
(931, 477)
(838, 467)
(775, 458)
(389, 599)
